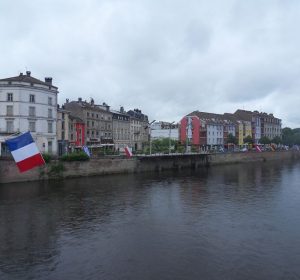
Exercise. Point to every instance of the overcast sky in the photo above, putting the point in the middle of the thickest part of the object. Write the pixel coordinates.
(165, 57)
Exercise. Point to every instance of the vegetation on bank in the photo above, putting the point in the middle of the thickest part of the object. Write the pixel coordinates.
(291, 136)
(76, 156)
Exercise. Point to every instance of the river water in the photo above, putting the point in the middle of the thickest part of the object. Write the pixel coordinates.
(226, 222)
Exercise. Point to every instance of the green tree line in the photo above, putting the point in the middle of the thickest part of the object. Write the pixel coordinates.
(291, 136)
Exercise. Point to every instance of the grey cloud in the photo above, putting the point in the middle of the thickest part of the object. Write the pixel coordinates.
(166, 57)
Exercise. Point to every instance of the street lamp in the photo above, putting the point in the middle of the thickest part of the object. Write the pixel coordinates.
(150, 136)
(170, 126)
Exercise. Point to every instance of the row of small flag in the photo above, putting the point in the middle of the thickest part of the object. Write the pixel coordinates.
(27, 156)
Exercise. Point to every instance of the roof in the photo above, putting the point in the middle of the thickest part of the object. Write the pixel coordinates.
(27, 79)
(208, 116)
(137, 114)
(72, 117)
(243, 115)
(87, 105)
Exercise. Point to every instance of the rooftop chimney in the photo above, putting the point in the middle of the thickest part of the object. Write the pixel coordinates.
(21, 74)
(48, 80)
(79, 99)
(28, 73)
(67, 100)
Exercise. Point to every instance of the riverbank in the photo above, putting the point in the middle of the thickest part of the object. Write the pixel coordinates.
(94, 167)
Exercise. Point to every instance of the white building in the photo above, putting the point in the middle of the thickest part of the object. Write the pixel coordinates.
(28, 104)
(215, 133)
(164, 130)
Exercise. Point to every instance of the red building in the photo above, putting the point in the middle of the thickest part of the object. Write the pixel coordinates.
(190, 126)
(77, 132)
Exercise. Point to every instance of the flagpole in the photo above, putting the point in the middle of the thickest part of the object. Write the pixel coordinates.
(11, 135)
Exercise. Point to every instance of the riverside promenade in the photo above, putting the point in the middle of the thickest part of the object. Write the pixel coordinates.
(144, 163)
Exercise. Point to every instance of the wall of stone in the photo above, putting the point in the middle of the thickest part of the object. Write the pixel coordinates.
(59, 170)
(224, 158)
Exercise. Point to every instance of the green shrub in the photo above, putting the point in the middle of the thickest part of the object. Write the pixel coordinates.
(56, 170)
(46, 157)
(80, 156)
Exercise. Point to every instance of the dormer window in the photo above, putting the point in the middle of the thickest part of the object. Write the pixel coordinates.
(31, 98)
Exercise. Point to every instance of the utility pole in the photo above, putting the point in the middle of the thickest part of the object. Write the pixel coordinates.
(188, 132)
(170, 126)
(150, 152)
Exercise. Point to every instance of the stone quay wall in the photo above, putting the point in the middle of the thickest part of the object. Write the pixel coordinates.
(113, 165)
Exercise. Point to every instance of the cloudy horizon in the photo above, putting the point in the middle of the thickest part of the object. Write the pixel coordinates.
(167, 58)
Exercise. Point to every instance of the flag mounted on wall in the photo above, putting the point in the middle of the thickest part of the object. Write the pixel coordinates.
(25, 152)
(86, 150)
(128, 152)
(258, 149)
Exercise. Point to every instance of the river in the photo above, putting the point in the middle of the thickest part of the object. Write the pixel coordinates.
(225, 222)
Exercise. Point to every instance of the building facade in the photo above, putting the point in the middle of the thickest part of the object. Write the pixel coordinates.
(254, 119)
(29, 104)
(62, 130)
(121, 129)
(139, 129)
(164, 130)
(270, 126)
(70, 132)
(97, 120)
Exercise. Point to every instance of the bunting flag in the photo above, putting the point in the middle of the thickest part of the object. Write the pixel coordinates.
(258, 149)
(86, 150)
(25, 152)
(128, 152)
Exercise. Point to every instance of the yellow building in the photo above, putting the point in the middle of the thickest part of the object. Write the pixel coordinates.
(244, 130)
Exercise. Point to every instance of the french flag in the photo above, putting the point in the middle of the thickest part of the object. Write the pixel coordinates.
(25, 152)
(128, 152)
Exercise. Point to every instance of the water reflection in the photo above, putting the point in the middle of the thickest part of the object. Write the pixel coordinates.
(224, 222)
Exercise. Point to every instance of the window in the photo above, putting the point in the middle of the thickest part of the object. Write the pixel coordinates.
(50, 127)
(9, 110)
(32, 126)
(62, 135)
(32, 111)
(31, 98)
(49, 100)
(10, 97)
(87, 114)
(49, 113)
(50, 147)
(10, 126)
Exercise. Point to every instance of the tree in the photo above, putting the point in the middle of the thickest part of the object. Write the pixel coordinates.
(264, 140)
(276, 140)
(290, 136)
(231, 139)
(248, 139)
